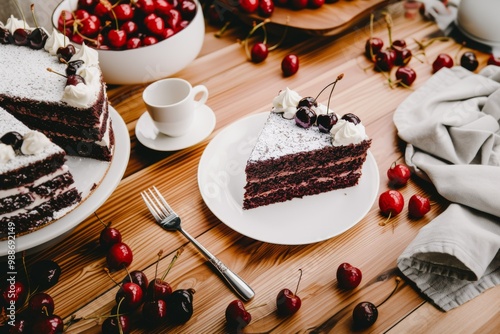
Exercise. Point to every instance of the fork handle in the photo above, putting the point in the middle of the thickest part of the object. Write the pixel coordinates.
(238, 284)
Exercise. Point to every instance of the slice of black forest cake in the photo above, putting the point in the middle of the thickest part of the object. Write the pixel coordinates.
(303, 149)
(36, 186)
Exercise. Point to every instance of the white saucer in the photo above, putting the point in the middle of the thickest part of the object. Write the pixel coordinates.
(149, 136)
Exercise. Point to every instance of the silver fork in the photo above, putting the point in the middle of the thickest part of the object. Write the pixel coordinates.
(170, 221)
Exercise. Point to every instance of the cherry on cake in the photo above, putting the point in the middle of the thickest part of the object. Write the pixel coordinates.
(304, 149)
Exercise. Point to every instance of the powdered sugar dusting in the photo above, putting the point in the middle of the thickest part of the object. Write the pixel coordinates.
(281, 137)
(7, 124)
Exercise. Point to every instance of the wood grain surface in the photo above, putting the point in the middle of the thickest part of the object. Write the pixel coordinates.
(238, 88)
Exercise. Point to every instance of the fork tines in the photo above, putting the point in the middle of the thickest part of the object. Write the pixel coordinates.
(156, 204)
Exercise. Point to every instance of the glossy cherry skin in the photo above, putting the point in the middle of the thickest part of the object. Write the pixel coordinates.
(259, 52)
(154, 312)
(326, 122)
(384, 60)
(180, 306)
(12, 138)
(442, 60)
(249, 6)
(315, 3)
(119, 256)
(52, 324)
(74, 79)
(290, 65)
(469, 61)
(364, 315)
(298, 4)
(130, 295)
(109, 236)
(398, 175)
(44, 274)
(236, 315)
(406, 75)
(391, 202)
(138, 277)
(348, 276)
(11, 292)
(418, 206)
(373, 46)
(41, 303)
(350, 117)
(287, 302)
(158, 289)
(117, 38)
(266, 8)
(116, 325)
(305, 117)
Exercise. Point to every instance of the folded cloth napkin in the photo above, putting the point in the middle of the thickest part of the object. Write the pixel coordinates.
(451, 127)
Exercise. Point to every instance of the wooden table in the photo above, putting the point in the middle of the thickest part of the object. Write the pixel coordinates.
(239, 88)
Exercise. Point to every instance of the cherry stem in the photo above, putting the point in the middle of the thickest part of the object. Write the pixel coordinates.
(223, 29)
(160, 253)
(385, 222)
(176, 256)
(388, 20)
(111, 278)
(275, 46)
(20, 11)
(331, 91)
(51, 70)
(32, 7)
(398, 280)
(254, 28)
(95, 214)
(297, 287)
(331, 83)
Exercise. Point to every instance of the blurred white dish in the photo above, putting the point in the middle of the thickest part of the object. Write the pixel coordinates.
(88, 173)
(149, 136)
(479, 21)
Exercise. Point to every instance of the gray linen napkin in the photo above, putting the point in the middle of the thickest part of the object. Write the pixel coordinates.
(451, 127)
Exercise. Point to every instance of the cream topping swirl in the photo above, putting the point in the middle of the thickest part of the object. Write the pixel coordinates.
(321, 109)
(55, 41)
(89, 56)
(345, 133)
(6, 153)
(13, 24)
(78, 96)
(91, 74)
(34, 142)
(286, 102)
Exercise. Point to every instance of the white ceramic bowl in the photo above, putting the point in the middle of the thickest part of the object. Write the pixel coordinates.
(479, 20)
(149, 63)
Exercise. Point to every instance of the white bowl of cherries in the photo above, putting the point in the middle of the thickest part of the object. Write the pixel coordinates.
(138, 41)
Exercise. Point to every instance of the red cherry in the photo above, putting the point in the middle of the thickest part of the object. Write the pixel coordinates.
(173, 19)
(119, 256)
(418, 206)
(469, 61)
(51, 324)
(406, 75)
(13, 292)
(259, 52)
(391, 203)
(154, 312)
(130, 27)
(287, 302)
(154, 24)
(117, 38)
(364, 315)
(384, 60)
(403, 56)
(162, 7)
(138, 277)
(290, 65)
(187, 9)
(109, 236)
(398, 175)
(123, 11)
(146, 6)
(44, 274)
(236, 315)
(116, 325)
(101, 10)
(158, 289)
(66, 17)
(249, 6)
(492, 60)
(130, 296)
(373, 46)
(149, 40)
(315, 3)
(298, 4)
(168, 32)
(266, 8)
(77, 39)
(81, 14)
(348, 276)
(41, 303)
(442, 60)
(134, 43)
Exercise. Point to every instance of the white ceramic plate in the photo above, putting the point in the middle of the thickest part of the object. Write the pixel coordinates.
(87, 173)
(148, 134)
(221, 178)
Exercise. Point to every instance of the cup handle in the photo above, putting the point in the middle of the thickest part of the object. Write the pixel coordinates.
(202, 92)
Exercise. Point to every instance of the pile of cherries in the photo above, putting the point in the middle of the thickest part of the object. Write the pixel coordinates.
(265, 8)
(28, 308)
(34, 38)
(155, 300)
(118, 24)
(391, 202)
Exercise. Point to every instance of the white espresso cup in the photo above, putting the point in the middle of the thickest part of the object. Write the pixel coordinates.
(172, 104)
